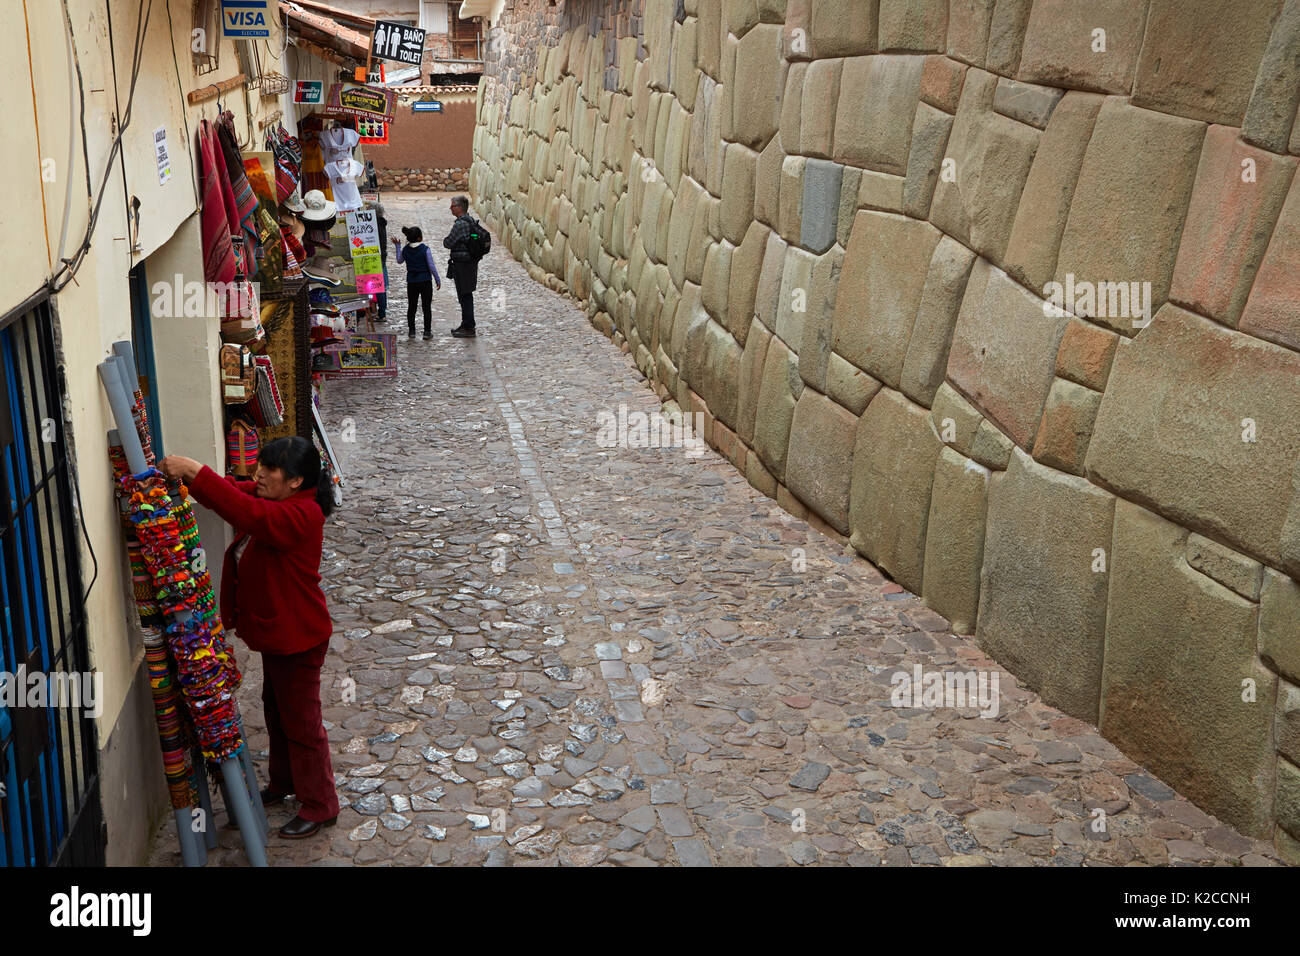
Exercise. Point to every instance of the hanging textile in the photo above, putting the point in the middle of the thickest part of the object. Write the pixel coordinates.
(218, 253)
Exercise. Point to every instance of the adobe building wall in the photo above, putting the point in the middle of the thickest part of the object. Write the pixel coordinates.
(427, 150)
(841, 228)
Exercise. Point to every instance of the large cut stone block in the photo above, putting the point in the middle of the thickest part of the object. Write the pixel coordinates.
(1275, 97)
(752, 363)
(1271, 312)
(796, 295)
(814, 344)
(820, 463)
(790, 217)
(1007, 35)
(792, 104)
(1063, 434)
(1086, 354)
(1026, 102)
(930, 131)
(1127, 212)
(819, 215)
(1045, 201)
(1062, 49)
(1178, 648)
(1190, 68)
(717, 279)
(843, 27)
(817, 125)
(767, 299)
(954, 539)
(739, 169)
(849, 385)
(927, 349)
(1042, 606)
(880, 290)
(1279, 623)
(746, 264)
(719, 372)
(1004, 352)
(968, 30)
(941, 82)
(1166, 440)
(913, 25)
(873, 123)
(776, 407)
(893, 470)
(1228, 224)
(767, 183)
(1288, 797)
(759, 83)
(993, 155)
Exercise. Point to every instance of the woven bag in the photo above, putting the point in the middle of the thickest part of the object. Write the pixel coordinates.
(267, 406)
(241, 449)
(238, 374)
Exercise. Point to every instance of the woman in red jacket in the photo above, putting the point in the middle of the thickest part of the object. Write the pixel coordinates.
(271, 597)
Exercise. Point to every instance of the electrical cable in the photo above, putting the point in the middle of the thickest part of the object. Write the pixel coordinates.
(185, 114)
(36, 125)
(57, 282)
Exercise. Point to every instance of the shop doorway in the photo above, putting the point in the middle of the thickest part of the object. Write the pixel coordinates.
(50, 810)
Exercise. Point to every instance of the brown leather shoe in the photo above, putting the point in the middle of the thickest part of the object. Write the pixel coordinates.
(299, 829)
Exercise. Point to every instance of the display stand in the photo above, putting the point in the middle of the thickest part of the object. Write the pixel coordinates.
(176, 600)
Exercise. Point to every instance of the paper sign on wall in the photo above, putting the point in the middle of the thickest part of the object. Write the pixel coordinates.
(160, 152)
(363, 242)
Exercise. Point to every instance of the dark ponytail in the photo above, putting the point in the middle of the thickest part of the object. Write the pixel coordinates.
(298, 458)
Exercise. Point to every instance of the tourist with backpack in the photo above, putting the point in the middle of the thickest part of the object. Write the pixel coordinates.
(421, 277)
(468, 242)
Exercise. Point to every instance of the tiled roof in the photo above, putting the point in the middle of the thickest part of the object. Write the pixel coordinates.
(323, 29)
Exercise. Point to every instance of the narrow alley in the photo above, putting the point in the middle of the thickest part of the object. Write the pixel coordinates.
(551, 652)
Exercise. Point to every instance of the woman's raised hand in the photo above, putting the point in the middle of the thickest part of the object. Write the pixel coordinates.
(178, 466)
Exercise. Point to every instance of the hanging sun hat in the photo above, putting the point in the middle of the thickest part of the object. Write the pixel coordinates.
(318, 208)
(319, 276)
(293, 202)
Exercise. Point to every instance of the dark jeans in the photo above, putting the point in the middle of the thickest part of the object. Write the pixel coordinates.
(415, 292)
(300, 750)
(381, 300)
(465, 275)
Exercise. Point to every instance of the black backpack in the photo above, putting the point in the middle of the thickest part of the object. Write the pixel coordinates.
(479, 241)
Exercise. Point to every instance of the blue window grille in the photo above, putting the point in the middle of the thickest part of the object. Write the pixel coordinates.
(50, 810)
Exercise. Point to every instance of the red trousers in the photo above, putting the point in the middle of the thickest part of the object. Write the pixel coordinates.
(300, 750)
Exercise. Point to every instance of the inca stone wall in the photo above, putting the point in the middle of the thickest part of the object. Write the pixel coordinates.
(835, 226)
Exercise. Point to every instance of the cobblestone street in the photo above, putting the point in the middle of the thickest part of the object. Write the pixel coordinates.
(566, 654)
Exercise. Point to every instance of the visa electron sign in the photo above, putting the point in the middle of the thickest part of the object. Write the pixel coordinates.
(245, 18)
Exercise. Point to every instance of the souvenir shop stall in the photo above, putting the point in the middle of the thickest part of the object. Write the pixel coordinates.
(269, 252)
(349, 223)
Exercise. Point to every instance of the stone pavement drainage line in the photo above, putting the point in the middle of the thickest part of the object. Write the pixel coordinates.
(666, 792)
(528, 468)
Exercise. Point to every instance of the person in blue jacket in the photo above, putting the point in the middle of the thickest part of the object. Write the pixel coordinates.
(421, 277)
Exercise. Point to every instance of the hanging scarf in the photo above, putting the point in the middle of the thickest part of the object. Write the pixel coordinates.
(245, 198)
(218, 254)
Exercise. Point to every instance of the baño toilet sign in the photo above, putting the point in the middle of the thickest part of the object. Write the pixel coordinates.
(397, 41)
